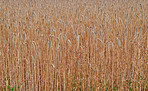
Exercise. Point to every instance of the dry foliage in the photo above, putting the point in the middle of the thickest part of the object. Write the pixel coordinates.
(74, 45)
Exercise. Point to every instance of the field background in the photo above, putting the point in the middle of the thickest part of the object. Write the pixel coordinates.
(73, 45)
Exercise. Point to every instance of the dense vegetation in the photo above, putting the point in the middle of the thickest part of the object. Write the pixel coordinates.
(74, 45)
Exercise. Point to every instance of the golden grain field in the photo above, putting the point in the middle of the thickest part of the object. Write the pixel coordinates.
(73, 45)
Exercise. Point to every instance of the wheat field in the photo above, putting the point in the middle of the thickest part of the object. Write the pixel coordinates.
(73, 45)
